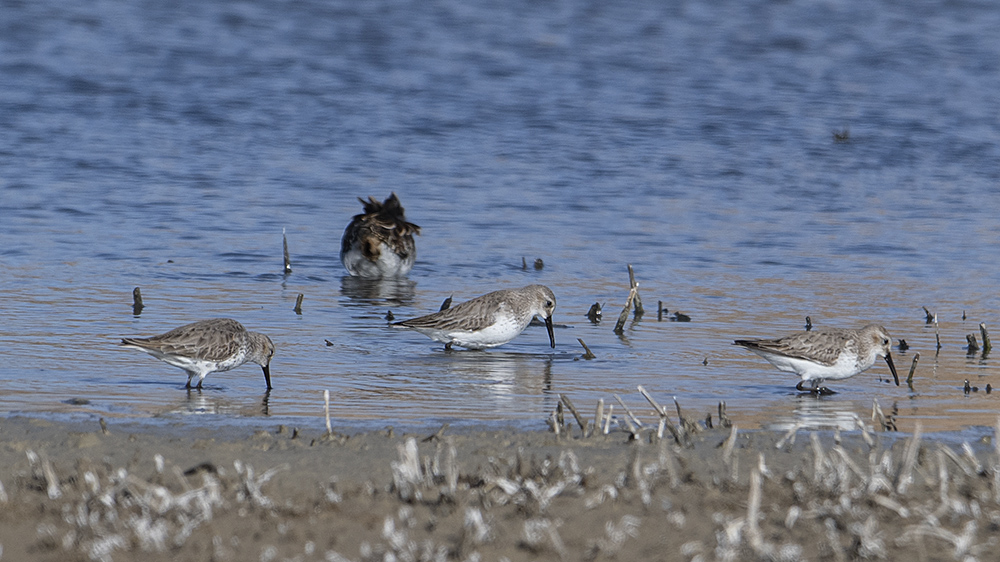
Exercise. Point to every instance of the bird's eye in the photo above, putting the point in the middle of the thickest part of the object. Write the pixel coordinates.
(885, 341)
(548, 304)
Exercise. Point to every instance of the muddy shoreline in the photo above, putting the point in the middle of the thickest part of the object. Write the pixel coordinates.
(73, 492)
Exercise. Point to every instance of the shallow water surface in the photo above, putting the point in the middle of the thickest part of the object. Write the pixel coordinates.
(167, 147)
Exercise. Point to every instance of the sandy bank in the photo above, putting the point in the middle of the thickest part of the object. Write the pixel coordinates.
(72, 492)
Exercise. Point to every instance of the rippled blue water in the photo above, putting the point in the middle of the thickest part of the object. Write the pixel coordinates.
(166, 146)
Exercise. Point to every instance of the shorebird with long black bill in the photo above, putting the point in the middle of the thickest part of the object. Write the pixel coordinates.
(822, 355)
(490, 320)
(208, 346)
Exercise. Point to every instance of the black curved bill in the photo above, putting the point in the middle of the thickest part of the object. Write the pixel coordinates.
(548, 326)
(888, 359)
(267, 376)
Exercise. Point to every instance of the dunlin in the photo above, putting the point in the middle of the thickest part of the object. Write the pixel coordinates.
(208, 346)
(821, 355)
(379, 242)
(490, 320)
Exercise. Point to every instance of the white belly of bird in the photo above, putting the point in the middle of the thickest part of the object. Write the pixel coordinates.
(388, 264)
(202, 367)
(846, 366)
(500, 332)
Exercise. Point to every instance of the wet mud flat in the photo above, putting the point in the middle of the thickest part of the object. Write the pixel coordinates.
(138, 492)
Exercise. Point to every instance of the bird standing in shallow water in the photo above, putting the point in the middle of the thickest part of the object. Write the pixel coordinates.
(821, 355)
(379, 242)
(490, 320)
(208, 346)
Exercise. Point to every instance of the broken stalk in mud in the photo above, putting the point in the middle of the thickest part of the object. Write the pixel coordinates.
(579, 419)
(662, 412)
(326, 408)
(598, 417)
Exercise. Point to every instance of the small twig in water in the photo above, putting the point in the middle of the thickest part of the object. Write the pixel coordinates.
(620, 325)
(639, 310)
(937, 332)
(298, 303)
(809, 323)
(930, 315)
(986, 338)
(913, 368)
(288, 260)
(137, 305)
(588, 354)
(973, 344)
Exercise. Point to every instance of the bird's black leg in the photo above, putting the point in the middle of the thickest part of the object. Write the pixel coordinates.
(447, 346)
(814, 387)
(821, 390)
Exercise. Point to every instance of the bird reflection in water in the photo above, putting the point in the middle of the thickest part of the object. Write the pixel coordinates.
(502, 375)
(812, 413)
(391, 291)
(197, 402)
